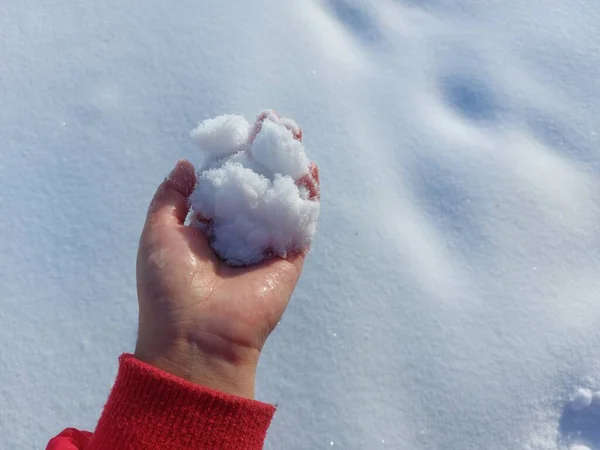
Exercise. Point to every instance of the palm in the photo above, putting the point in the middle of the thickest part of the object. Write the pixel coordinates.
(200, 318)
(181, 280)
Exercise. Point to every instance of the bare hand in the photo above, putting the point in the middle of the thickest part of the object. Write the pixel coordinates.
(199, 318)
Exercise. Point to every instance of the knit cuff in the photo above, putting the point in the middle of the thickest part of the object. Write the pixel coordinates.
(152, 409)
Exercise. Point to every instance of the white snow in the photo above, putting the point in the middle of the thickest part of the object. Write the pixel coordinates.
(278, 152)
(458, 247)
(251, 199)
(223, 135)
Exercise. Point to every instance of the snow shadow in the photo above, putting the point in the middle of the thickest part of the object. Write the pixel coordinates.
(356, 19)
(442, 190)
(554, 132)
(469, 96)
(580, 427)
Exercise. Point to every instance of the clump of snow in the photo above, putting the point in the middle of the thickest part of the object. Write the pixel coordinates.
(274, 149)
(257, 193)
(223, 134)
(581, 399)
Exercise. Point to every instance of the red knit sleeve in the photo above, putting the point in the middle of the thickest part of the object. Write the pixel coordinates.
(153, 410)
(69, 439)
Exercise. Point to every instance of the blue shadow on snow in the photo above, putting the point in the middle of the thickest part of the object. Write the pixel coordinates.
(469, 97)
(580, 427)
(356, 19)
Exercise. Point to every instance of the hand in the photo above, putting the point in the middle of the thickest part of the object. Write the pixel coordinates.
(200, 319)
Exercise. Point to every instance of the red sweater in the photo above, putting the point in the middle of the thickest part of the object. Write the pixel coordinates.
(149, 409)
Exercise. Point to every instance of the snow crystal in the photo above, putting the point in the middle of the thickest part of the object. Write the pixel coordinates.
(257, 192)
(581, 399)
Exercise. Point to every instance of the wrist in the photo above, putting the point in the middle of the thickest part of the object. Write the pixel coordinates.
(233, 374)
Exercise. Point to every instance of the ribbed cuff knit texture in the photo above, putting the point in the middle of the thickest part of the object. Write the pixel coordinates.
(151, 409)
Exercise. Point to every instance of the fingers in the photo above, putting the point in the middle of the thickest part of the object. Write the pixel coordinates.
(311, 182)
(314, 171)
(314, 182)
(258, 124)
(272, 115)
(170, 203)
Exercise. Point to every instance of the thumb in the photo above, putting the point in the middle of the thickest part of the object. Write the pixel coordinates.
(170, 203)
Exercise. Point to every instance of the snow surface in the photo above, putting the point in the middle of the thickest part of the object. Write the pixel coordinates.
(252, 195)
(451, 298)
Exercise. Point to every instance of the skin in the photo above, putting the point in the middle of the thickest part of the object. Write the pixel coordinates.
(200, 319)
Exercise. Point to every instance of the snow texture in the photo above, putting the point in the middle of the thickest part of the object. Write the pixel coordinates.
(450, 300)
(250, 197)
(223, 135)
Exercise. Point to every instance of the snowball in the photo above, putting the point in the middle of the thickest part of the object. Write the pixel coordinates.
(581, 399)
(222, 135)
(255, 195)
